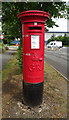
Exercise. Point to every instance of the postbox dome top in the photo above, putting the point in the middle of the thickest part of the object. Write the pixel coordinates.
(34, 13)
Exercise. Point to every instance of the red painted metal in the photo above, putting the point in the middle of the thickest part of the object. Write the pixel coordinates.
(33, 45)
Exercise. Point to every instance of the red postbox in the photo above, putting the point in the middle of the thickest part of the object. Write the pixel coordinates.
(33, 22)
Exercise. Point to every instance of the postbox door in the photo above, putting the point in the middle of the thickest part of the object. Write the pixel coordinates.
(34, 67)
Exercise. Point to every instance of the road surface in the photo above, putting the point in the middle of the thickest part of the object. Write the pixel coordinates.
(5, 57)
(59, 59)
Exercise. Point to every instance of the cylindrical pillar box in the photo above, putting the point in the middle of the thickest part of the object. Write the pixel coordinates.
(33, 22)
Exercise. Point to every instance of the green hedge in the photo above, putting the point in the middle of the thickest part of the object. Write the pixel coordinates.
(19, 54)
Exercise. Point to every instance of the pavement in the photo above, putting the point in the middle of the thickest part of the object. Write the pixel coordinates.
(59, 59)
(5, 57)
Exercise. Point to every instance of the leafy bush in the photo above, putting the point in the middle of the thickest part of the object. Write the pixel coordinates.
(19, 56)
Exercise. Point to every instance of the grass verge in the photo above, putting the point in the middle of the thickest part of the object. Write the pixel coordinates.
(1, 45)
(55, 92)
(10, 69)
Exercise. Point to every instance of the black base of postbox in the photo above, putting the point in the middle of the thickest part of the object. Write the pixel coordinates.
(32, 94)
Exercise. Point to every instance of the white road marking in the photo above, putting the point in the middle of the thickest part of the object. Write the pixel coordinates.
(59, 72)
